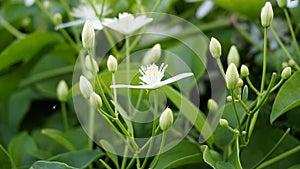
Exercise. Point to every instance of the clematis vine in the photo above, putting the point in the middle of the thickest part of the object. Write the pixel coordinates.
(126, 23)
(152, 77)
(85, 12)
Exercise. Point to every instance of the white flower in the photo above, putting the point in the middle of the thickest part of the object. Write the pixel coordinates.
(85, 87)
(85, 12)
(204, 9)
(126, 23)
(292, 3)
(151, 77)
(28, 2)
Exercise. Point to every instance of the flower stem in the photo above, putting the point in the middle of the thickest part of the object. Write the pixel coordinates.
(91, 127)
(163, 140)
(235, 111)
(252, 86)
(221, 68)
(64, 116)
(273, 149)
(292, 30)
(280, 157)
(115, 94)
(263, 81)
(156, 5)
(11, 29)
(124, 160)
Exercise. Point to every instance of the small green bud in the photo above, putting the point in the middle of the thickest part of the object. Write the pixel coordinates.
(232, 76)
(166, 119)
(266, 15)
(223, 122)
(286, 73)
(292, 62)
(47, 5)
(215, 48)
(212, 105)
(95, 100)
(88, 36)
(244, 71)
(229, 98)
(244, 132)
(240, 83)
(284, 65)
(282, 3)
(233, 56)
(62, 91)
(152, 55)
(57, 18)
(236, 131)
(112, 64)
(245, 93)
(91, 64)
(85, 87)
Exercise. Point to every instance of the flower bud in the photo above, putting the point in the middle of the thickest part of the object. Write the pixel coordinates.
(223, 122)
(62, 91)
(284, 65)
(245, 93)
(152, 55)
(85, 87)
(286, 73)
(95, 100)
(292, 62)
(244, 71)
(91, 65)
(236, 131)
(112, 64)
(88, 35)
(240, 83)
(244, 132)
(215, 48)
(266, 15)
(57, 18)
(233, 56)
(166, 119)
(282, 3)
(232, 76)
(212, 105)
(229, 98)
(47, 5)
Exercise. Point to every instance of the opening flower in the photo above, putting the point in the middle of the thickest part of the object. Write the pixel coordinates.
(152, 76)
(85, 12)
(126, 23)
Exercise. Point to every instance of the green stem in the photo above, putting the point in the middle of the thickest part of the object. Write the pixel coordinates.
(292, 30)
(155, 114)
(11, 29)
(219, 62)
(91, 127)
(281, 43)
(163, 140)
(115, 94)
(277, 85)
(273, 149)
(279, 157)
(124, 160)
(156, 5)
(263, 80)
(111, 43)
(235, 111)
(252, 86)
(64, 116)
(102, 10)
(105, 164)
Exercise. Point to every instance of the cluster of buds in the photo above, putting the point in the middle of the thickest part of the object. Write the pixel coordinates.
(88, 93)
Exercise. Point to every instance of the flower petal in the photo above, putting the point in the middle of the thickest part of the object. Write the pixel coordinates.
(133, 86)
(176, 78)
(69, 24)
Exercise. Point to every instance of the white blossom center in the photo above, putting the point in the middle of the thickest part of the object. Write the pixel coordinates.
(152, 74)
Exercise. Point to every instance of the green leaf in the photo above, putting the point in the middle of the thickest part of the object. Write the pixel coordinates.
(287, 98)
(182, 154)
(59, 137)
(211, 157)
(234, 158)
(295, 167)
(78, 159)
(6, 161)
(50, 164)
(20, 57)
(20, 148)
(251, 9)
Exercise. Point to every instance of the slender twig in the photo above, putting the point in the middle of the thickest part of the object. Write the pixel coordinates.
(11, 29)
